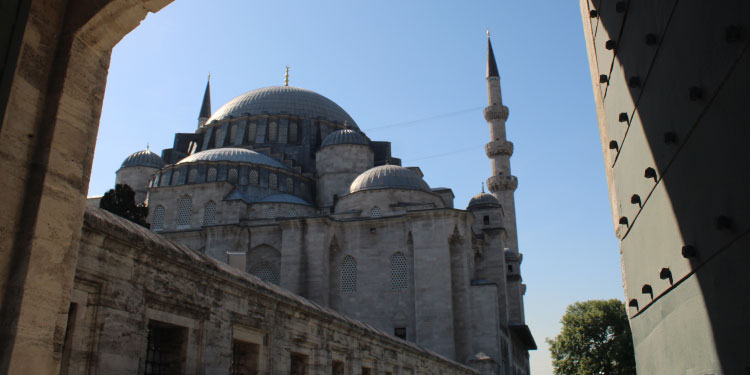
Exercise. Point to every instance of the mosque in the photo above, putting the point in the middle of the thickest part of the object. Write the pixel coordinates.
(281, 183)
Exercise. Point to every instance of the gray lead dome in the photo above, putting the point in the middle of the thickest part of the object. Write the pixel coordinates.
(232, 154)
(345, 137)
(144, 158)
(283, 99)
(388, 177)
(483, 199)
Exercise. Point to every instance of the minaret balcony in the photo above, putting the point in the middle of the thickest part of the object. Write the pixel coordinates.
(496, 112)
(502, 183)
(496, 148)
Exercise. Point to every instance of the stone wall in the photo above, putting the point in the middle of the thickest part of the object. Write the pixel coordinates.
(130, 280)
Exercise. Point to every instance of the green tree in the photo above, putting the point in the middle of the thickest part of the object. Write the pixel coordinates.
(595, 339)
(121, 201)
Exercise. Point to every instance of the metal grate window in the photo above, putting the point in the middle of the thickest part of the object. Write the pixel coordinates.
(157, 220)
(265, 272)
(272, 131)
(175, 177)
(211, 177)
(399, 274)
(289, 186)
(271, 213)
(291, 213)
(209, 213)
(348, 274)
(232, 177)
(253, 177)
(184, 210)
(164, 349)
(251, 129)
(375, 212)
(273, 181)
(192, 176)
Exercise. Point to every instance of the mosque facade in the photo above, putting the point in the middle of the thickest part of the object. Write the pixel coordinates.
(281, 183)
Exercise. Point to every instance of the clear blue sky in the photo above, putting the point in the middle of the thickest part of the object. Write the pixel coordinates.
(391, 62)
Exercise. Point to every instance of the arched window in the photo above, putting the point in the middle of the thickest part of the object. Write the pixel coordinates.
(273, 130)
(184, 211)
(209, 213)
(211, 177)
(290, 186)
(273, 181)
(192, 175)
(292, 132)
(375, 212)
(232, 177)
(157, 219)
(251, 129)
(399, 274)
(232, 133)
(271, 213)
(175, 177)
(253, 177)
(265, 272)
(348, 274)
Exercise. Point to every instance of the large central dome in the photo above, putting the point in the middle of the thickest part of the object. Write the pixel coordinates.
(283, 99)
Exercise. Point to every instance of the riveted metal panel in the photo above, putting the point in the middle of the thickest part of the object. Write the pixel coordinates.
(618, 100)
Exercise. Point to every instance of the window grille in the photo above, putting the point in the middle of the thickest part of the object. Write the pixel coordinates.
(192, 175)
(175, 177)
(271, 213)
(209, 213)
(265, 272)
(290, 186)
(375, 212)
(291, 213)
(232, 177)
(292, 132)
(157, 220)
(399, 274)
(272, 131)
(251, 132)
(184, 210)
(273, 181)
(211, 177)
(164, 349)
(253, 177)
(348, 274)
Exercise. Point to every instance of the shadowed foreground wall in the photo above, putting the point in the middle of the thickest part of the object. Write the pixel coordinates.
(671, 83)
(128, 277)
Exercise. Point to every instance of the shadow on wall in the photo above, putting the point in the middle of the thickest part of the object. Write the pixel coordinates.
(674, 78)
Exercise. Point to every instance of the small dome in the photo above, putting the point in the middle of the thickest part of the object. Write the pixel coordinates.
(483, 199)
(144, 158)
(284, 198)
(388, 177)
(289, 100)
(345, 137)
(232, 154)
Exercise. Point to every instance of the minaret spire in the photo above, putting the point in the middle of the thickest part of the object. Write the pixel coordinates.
(491, 64)
(205, 112)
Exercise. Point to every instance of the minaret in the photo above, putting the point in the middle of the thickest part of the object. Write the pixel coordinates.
(502, 184)
(205, 113)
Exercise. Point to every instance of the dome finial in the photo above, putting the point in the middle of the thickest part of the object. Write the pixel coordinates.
(488, 32)
(286, 76)
(148, 149)
(483, 181)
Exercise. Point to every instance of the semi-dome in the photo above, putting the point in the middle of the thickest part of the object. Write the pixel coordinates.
(144, 158)
(284, 198)
(233, 154)
(283, 100)
(388, 177)
(483, 199)
(345, 137)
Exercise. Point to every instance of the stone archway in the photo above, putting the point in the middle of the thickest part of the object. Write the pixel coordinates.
(47, 142)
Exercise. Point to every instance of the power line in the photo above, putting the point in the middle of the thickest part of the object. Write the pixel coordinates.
(417, 121)
(453, 152)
